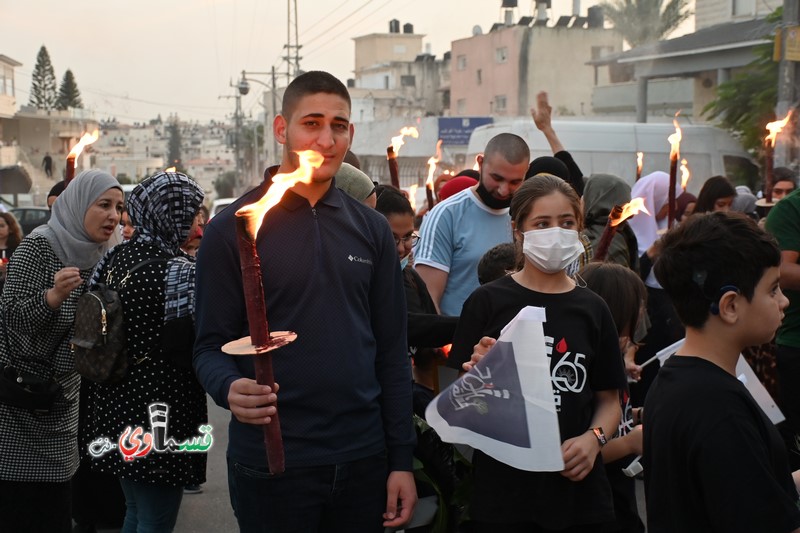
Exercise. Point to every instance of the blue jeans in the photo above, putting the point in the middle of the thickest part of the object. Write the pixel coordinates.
(150, 508)
(348, 497)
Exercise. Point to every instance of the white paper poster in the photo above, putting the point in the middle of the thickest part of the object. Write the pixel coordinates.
(504, 406)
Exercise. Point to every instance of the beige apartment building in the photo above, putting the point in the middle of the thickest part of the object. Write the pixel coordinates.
(500, 72)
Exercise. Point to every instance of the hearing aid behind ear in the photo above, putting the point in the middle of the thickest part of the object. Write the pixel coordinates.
(714, 309)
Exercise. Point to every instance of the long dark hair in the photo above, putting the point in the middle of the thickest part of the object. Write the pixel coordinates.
(714, 188)
(621, 288)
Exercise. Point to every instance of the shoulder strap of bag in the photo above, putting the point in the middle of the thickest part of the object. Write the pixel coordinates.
(133, 269)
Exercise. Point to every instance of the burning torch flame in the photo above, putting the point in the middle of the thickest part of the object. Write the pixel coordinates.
(412, 196)
(675, 140)
(432, 164)
(639, 162)
(309, 160)
(685, 174)
(775, 128)
(86, 140)
(171, 169)
(397, 142)
(628, 210)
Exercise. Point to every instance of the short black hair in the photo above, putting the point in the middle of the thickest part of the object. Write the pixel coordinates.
(708, 252)
(313, 82)
(784, 174)
(713, 189)
(497, 262)
(512, 147)
(392, 201)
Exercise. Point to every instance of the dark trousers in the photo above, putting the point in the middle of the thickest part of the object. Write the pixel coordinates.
(35, 507)
(348, 497)
(787, 367)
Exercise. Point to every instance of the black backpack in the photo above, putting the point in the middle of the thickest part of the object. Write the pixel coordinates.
(99, 343)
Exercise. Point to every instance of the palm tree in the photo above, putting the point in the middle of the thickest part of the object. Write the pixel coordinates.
(645, 21)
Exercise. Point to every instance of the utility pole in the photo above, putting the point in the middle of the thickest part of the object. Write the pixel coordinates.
(788, 78)
(292, 47)
(274, 113)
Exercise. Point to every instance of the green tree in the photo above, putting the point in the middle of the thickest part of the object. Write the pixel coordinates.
(745, 104)
(68, 93)
(43, 86)
(225, 184)
(174, 146)
(645, 21)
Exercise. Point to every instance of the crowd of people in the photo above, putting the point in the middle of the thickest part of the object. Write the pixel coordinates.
(381, 302)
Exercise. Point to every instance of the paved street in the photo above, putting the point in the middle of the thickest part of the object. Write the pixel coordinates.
(211, 509)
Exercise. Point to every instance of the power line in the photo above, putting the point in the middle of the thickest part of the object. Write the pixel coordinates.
(350, 28)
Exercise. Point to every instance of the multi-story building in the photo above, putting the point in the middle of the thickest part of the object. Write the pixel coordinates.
(683, 73)
(395, 78)
(500, 72)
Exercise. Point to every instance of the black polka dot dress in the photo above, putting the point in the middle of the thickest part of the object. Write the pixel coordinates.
(152, 378)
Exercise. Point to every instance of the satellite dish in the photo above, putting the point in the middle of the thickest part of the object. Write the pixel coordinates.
(476, 30)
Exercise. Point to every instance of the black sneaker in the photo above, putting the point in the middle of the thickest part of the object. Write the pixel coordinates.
(192, 489)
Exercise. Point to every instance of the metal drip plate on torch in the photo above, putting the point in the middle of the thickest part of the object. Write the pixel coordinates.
(244, 346)
(762, 202)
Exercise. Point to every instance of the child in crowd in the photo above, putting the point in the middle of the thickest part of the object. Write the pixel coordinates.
(713, 460)
(626, 296)
(499, 261)
(546, 219)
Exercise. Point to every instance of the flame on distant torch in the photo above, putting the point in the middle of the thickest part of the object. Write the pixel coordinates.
(86, 140)
(255, 212)
(432, 162)
(639, 164)
(398, 141)
(685, 174)
(675, 141)
(628, 210)
(412, 196)
(171, 169)
(775, 128)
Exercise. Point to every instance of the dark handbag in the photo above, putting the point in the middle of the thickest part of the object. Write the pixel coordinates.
(28, 391)
(98, 342)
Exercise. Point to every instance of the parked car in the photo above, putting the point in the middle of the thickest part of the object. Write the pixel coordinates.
(30, 217)
(218, 205)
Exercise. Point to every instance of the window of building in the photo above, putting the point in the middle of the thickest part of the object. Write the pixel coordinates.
(479, 76)
(500, 103)
(408, 81)
(399, 49)
(501, 54)
(461, 62)
(6, 80)
(386, 82)
(461, 106)
(743, 7)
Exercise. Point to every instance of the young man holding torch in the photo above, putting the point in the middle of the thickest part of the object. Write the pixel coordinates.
(330, 273)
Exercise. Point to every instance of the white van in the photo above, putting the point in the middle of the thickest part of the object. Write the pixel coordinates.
(610, 148)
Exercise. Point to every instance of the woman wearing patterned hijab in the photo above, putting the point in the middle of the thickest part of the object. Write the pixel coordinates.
(46, 276)
(160, 386)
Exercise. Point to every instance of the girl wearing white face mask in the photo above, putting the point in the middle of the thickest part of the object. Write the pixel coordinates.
(585, 368)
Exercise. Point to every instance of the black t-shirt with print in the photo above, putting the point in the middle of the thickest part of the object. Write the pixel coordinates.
(713, 461)
(582, 344)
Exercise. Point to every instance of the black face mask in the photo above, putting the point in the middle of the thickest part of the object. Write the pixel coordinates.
(490, 201)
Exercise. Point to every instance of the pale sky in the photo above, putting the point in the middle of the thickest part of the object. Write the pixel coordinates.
(134, 60)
